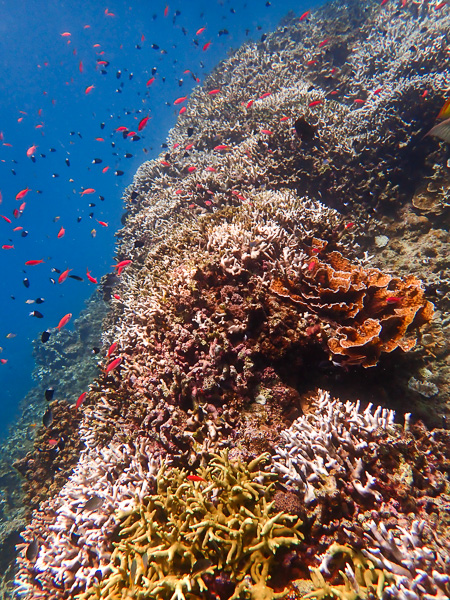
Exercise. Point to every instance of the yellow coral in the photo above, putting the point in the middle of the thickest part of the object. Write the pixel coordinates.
(222, 523)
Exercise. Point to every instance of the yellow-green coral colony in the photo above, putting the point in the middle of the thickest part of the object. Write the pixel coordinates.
(191, 529)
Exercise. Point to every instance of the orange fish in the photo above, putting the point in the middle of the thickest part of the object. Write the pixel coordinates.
(64, 276)
(89, 89)
(33, 262)
(81, 400)
(122, 128)
(221, 147)
(31, 150)
(64, 321)
(444, 113)
(61, 232)
(22, 193)
(102, 223)
(142, 123)
(66, 34)
(105, 169)
(200, 31)
(87, 191)
(112, 365)
(180, 100)
(89, 276)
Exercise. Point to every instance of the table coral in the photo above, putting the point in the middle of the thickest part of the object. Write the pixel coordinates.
(177, 540)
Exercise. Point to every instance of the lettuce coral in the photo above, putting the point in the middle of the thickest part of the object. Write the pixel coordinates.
(175, 542)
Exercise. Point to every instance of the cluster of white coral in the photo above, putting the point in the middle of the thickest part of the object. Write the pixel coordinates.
(328, 442)
(72, 532)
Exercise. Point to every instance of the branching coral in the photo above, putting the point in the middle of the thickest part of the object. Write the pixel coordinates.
(176, 540)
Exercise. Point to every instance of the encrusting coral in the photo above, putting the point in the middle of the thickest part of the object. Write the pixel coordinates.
(175, 542)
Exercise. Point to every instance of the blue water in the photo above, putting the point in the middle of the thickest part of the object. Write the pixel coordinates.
(43, 103)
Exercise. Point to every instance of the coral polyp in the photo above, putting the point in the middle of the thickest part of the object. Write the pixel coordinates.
(175, 543)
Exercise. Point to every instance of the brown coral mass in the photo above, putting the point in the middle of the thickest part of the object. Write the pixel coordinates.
(370, 311)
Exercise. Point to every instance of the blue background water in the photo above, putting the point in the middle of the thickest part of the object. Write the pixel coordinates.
(40, 72)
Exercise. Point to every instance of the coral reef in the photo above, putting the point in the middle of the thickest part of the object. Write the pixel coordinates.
(177, 542)
(251, 283)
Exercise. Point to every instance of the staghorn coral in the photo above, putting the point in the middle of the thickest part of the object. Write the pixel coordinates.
(177, 539)
(398, 564)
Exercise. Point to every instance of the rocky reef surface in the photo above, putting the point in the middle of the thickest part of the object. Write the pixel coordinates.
(280, 244)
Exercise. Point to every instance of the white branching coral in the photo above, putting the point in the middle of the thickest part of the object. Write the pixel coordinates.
(71, 533)
(328, 443)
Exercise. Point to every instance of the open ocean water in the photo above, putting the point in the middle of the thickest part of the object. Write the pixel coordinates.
(73, 73)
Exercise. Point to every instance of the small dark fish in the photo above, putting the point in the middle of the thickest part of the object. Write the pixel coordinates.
(32, 550)
(79, 219)
(47, 419)
(49, 394)
(67, 162)
(55, 175)
(45, 336)
(102, 126)
(97, 161)
(135, 138)
(95, 350)
(37, 314)
(76, 277)
(155, 46)
(55, 270)
(118, 173)
(52, 280)
(201, 565)
(304, 130)
(23, 233)
(154, 69)
(39, 300)
(93, 503)
(62, 443)
(128, 155)
(26, 282)
(52, 149)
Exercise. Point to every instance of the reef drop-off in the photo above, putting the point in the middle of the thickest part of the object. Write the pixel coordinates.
(244, 282)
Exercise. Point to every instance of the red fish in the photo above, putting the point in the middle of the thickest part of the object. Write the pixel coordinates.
(266, 131)
(89, 89)
(64, 275)
(105, 169)
(265, 95)
(7, 247)
(311, 265)
(304, 15)
(315, 103)
(212, 92)
(122, 128)
(111, 349)
(142, 123)
(249, 103)
(80, 66)
(191, 169)
(349, 225)
(200, 31)
(89, 276)
(33, 262)
(195, 478)
(31, 150)
(22, 193)
(64, 321)
(66, 34)
(440, 5)
(206, 46)
(180, 100)
(112, 365)
(87, 191)
(102, 223)
(322, 44)
(122, 264)
(81, 399)
(6, 218)
(166, 10)
(3, 361)
(150, 81)
(117, 297)
(221, 147)
(393, 300)
(61, 232)
(182, 110)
